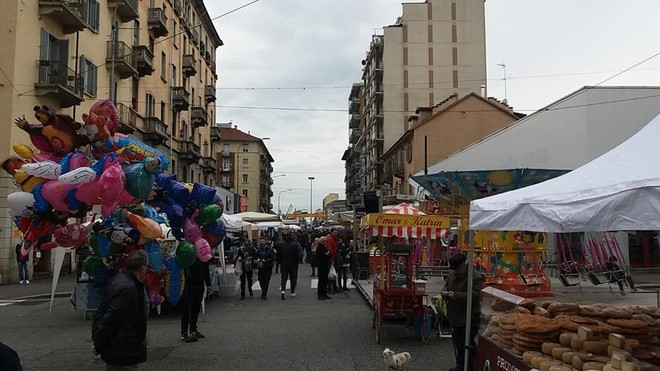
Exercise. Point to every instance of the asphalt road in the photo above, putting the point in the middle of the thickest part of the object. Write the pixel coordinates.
(300, 333)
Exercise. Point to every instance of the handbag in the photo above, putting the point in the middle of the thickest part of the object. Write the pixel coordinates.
(332, 274)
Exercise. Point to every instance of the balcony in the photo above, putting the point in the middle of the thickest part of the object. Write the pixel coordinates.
(194, 36)
(209, 165)
(127, 119)
(67, 13)
(155, 131)
(354, 105)
(180, 98)
(144, 60)
(121, 58)
(157, 22)
(126, 10)
(215, 134)
(354, 121)
(207, 57)
(189, 64)
(56, 79)
(178, 7)
(199, 117)
(209, 93)
(226, 166)
(354, 136)
(189, 152)
(212, 66)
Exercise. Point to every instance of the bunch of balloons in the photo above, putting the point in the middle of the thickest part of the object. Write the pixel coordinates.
(77, 166)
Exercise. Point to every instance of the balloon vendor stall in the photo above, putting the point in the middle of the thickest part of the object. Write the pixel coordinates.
(79, 166)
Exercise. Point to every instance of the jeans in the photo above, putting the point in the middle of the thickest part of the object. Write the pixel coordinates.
(192, 303)
(246, 277)
(458, 336)
(290, 271)
(264, 279)
(23, 272)
(342, 276)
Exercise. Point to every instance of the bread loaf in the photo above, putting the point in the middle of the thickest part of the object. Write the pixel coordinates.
(595, 347)
(568, 357)
(593, 366)
(536, 361)
(565, 338)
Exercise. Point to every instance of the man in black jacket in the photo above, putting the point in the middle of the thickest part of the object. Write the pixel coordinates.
(323, 265)
(289, 254)
(119, 331)
(193, 293)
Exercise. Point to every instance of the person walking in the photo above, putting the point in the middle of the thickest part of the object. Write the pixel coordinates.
(456, 292)
(277, 246)
(246, 256)
(311, 256)
(197, 278)
(323, 266)
(345, 253)
(119, 331)
(22, 263)
(289, 255)
(332, 244)
(266, 256)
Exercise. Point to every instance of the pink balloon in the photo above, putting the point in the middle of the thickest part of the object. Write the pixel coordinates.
(55, 193)
(105, 190)
(203, 250)
(193, 233)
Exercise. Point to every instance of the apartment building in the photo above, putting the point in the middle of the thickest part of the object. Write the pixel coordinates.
(354, 165)
(155, 59)
(435, 49)
(245, 167)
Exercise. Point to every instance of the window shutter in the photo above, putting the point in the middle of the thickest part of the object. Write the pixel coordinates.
(45, 40)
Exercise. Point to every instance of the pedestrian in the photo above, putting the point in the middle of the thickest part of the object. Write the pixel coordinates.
(22, 262)
(197, 277)
(345, 253)
(246, 255)
(616, 274)
(277, 246)
(303, 240)
(266, 256)
(323, 266)
(455, 292)
(289, 255)
(119, 331)
(311, 256)
(9, 360)
(333, 248)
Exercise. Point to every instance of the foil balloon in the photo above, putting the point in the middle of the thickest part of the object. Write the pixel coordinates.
(155, 255)
(208, 214)
(140, 178)
(72, 235)
(132, 150)
(54, 134)
(185, 252)
(107, 112)
(153, 283)
(104, 191)
(174, 279)
(26, 181)
(148, 228)
(21, 204)
(193, 233)
(201, 196)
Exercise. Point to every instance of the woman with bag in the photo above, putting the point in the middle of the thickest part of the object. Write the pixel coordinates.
(266, 256)
(246, 256)
(310, 258)
(323, 265)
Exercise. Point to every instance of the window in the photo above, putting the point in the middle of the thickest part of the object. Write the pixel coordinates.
(92, 14)
(245, 147)
(151, 105)
(163, 66)
(134, 93)
(245, 193)
(136, 32)
(245, 163)
(162, 111)
(174, 34)
(173, 116)
(173, 77)
(54, 54)
(245, 178)
(88, 72)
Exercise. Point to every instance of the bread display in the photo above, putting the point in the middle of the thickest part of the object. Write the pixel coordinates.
(567, 336)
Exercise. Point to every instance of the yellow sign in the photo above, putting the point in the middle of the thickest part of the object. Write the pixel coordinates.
(396, 220)
(305, 215)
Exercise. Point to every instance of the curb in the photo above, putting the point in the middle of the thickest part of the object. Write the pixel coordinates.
(43, 296)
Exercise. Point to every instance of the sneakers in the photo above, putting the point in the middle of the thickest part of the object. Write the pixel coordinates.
(347, 289)
(293, 294)
(188, 338)
(283, 295)
(27, 282)
(22, 282)
(196, 334)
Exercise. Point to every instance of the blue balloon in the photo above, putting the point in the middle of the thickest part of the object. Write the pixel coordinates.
(155, 256)
(201, 196)
(133, 148)
(104, 244)
(174, 280)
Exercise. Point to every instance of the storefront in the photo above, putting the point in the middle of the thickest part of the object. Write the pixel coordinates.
(644, 249)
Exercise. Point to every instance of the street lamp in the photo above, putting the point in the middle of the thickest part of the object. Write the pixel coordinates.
(311, 178)
(279, 209)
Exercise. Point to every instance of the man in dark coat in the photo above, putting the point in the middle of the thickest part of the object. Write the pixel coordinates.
(197, 278)
(289, 253)
(456, 294)
(119, 331)
(323, 266)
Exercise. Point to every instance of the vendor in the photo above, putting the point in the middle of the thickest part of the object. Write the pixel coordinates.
(455, 293)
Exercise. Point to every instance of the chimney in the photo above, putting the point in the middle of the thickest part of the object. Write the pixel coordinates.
(483, 91)
(235, 126)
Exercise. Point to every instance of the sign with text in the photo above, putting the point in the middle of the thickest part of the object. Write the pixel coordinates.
(396, 220)
(491, 357)
(306, 215)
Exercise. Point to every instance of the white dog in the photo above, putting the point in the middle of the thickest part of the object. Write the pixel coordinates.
(395, 361)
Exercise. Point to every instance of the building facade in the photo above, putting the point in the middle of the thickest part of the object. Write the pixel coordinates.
(353, 156)
(435, 49)
(155, 59)
(245, 167)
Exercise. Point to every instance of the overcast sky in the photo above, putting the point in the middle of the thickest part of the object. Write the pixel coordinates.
(550, 48)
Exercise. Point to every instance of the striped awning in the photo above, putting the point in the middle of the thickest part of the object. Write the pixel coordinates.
(412, 232)
(404, 209)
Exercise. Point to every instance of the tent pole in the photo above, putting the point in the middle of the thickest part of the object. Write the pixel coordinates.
(468, 315)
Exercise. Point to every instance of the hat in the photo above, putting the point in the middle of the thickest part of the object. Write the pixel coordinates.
(457, 260)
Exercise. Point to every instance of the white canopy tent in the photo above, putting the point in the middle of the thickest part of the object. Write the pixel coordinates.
(619, 190)
(253, 217)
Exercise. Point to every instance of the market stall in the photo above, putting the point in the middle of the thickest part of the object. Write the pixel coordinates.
(618, 191)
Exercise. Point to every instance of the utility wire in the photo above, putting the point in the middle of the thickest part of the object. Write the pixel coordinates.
(9, 81)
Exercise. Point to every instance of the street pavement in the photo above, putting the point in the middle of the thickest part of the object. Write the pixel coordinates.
(300, 333)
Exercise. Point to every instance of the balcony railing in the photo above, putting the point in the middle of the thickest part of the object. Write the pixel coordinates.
(144, 60)
(58, 80)
(180, 98)
(354, 136)
(354, 105)
(155, 131)
(127, 119)
(68, 13)
(354, 121)
(157, 22)
(127, 10)
(209, 93)
(189, 151)
(121, 58)
(199, 117)
(209, 165)
(215, 133)
(189, 65)
(212, 66)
